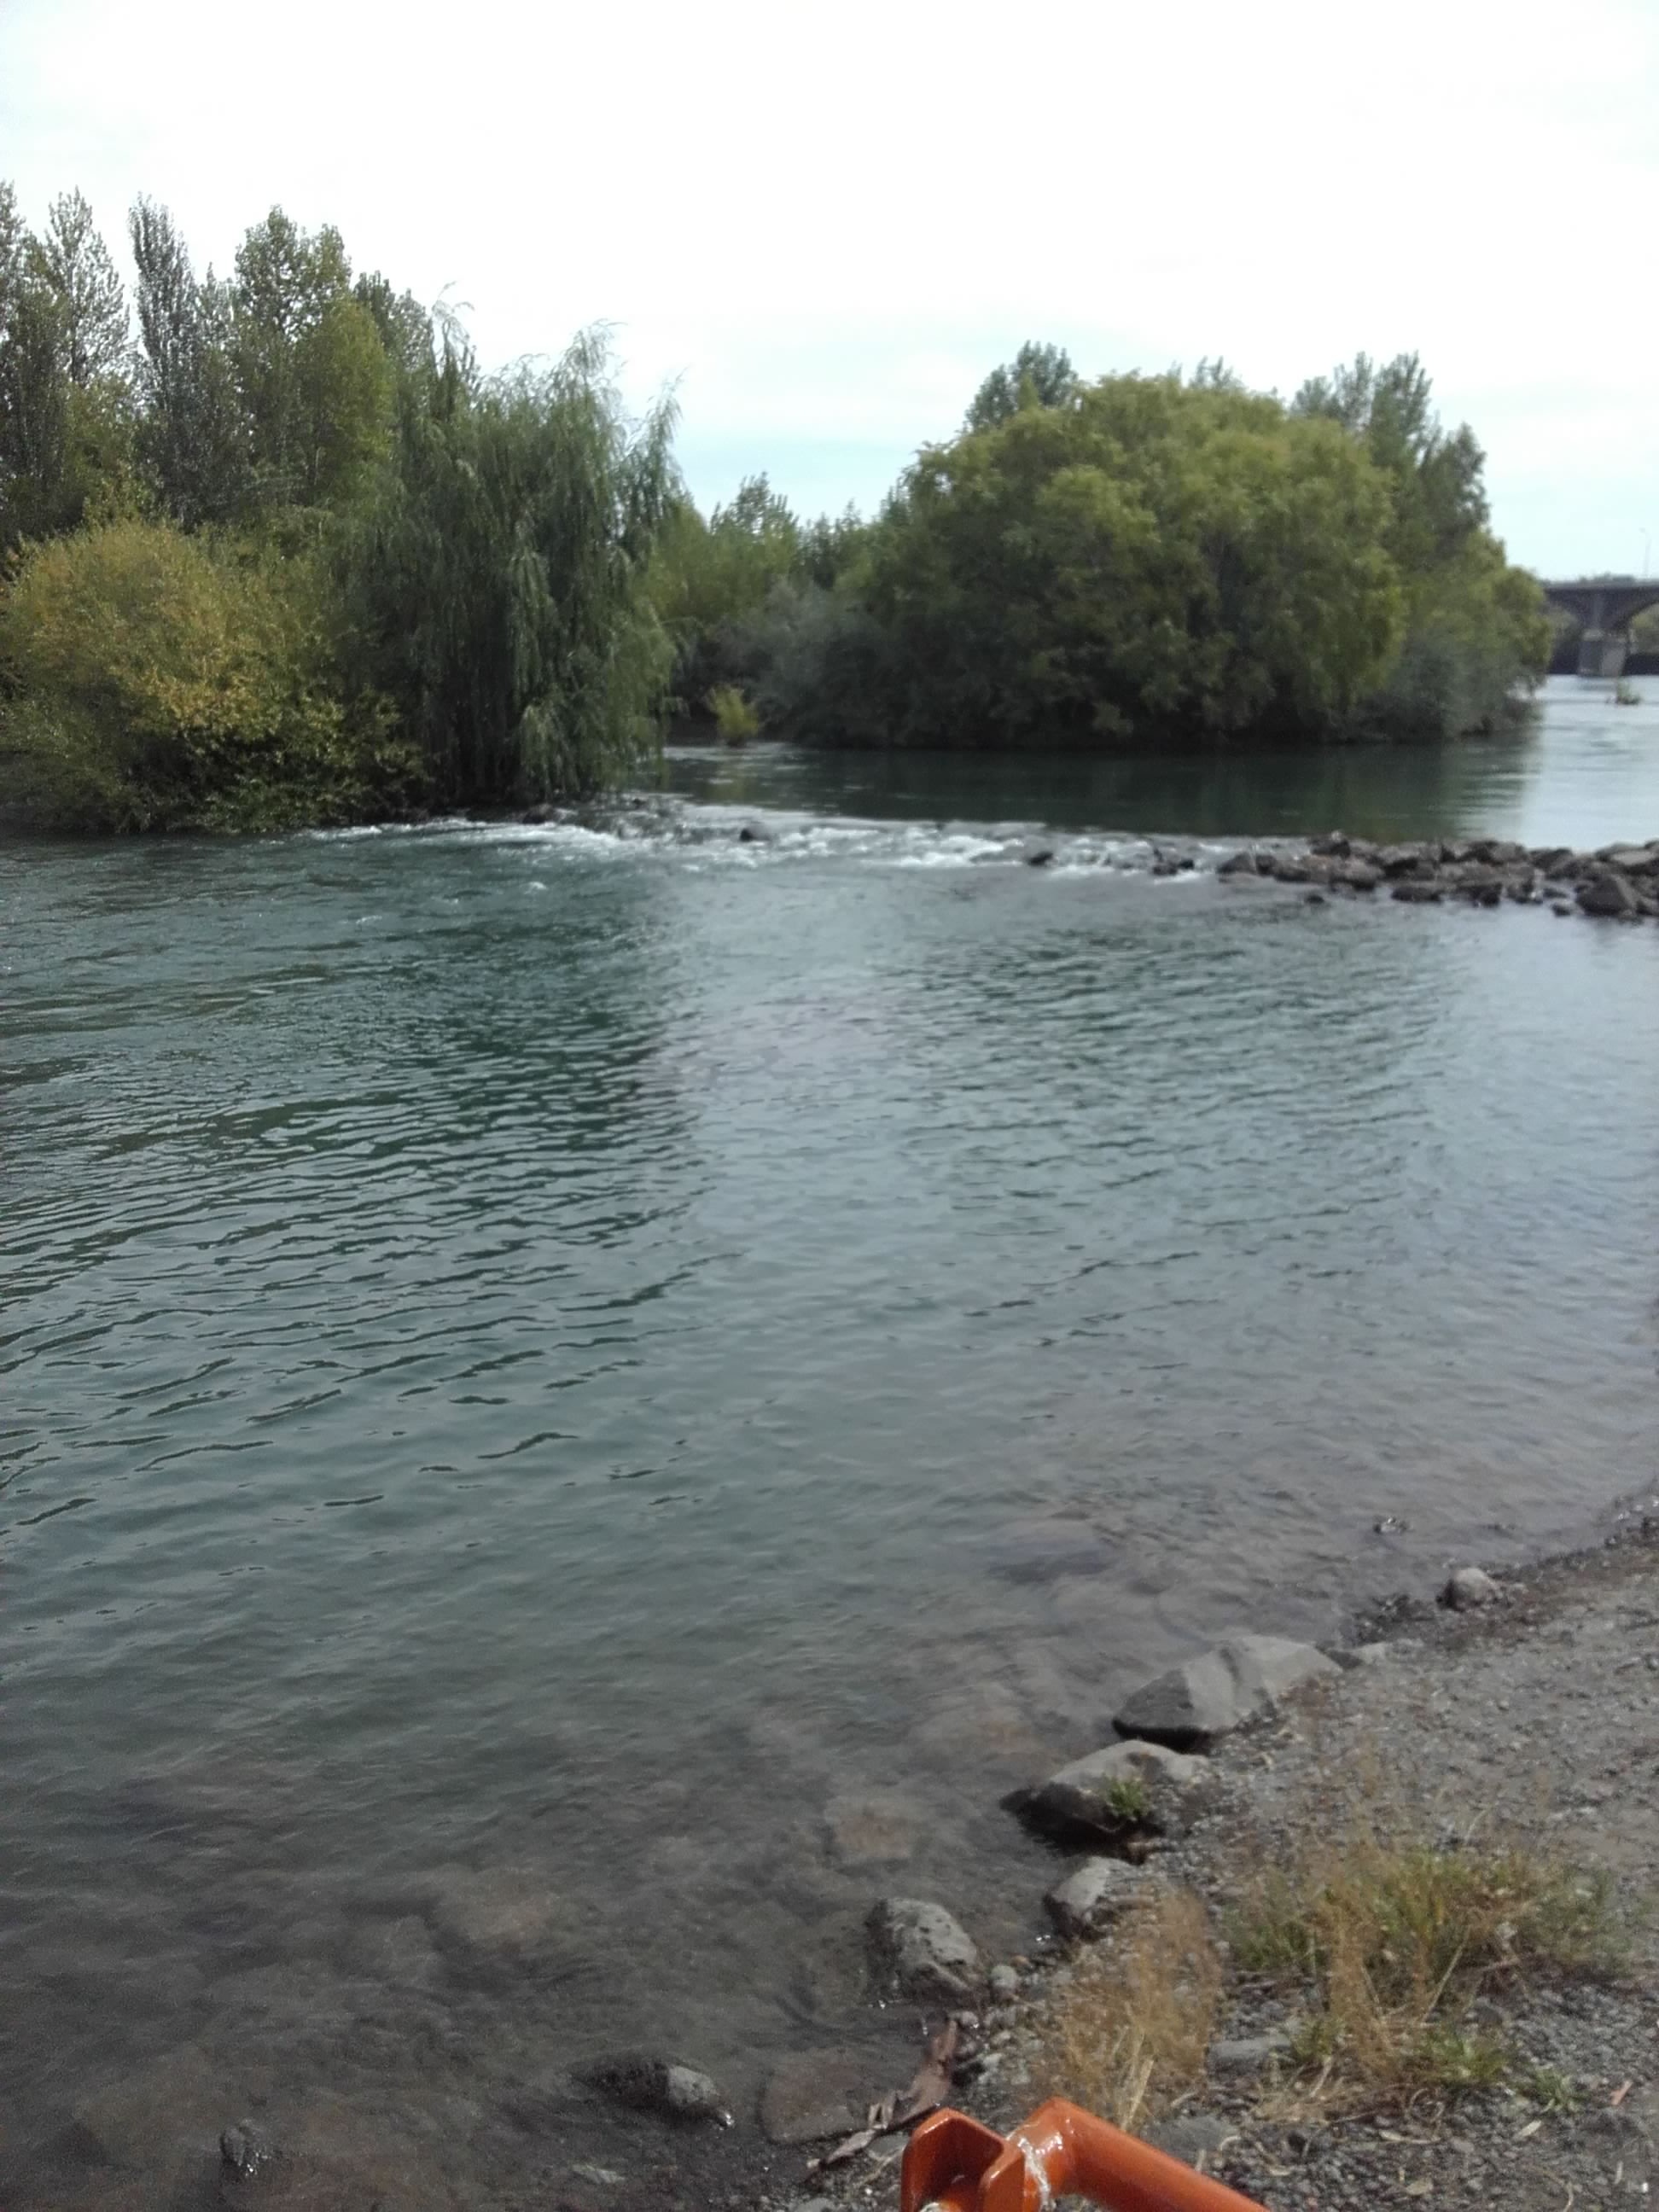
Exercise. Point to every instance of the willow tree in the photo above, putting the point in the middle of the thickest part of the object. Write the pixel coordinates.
(499, 585)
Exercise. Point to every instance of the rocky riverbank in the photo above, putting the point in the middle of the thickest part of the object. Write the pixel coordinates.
(1616, 883)
(1509, 1731)
(1522, 1714)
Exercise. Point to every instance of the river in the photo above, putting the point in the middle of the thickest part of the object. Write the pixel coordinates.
(580, 1402)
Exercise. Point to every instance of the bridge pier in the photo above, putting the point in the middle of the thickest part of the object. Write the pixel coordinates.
(1601, 654)
(1603, 607)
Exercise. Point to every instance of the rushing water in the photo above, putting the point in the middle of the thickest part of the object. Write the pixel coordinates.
(579, 1402)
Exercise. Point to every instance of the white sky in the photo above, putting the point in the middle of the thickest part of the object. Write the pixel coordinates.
(827, 222)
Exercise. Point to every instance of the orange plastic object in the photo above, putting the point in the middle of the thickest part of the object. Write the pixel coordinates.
(1061, 2151)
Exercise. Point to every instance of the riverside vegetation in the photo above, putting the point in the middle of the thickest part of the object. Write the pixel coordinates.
(288, 554)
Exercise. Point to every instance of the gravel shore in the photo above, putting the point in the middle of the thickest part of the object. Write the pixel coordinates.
(1537, 1715)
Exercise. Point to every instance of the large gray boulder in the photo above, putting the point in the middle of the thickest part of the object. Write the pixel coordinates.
(1399, 859)
(1099, 1891)
(1609, 894)
(1126, 1786)
(1193, 1705)
(1633, 860)
(923, 1952)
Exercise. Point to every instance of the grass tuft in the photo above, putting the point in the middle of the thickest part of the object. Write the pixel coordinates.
(1390, 1944)
(1398, 1957)
(1130, 2031)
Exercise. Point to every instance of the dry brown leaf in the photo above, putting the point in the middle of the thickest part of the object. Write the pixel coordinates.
(1621, 2093)
(926, 2093)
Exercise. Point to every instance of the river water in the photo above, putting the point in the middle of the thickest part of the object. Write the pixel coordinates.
(580, 1402)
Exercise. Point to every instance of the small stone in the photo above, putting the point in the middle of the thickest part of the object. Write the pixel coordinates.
(1041, 858)
(1095, 1894)
(1195, 2137)
(1468, 1587)
(923, 1951)
(1247, 2054)
(246, 2150)
(1004, 1983)
(1413, 890)
(1242, 863)
(601, 2177)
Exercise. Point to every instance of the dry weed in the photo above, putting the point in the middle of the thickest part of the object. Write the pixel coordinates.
(1128, 2035)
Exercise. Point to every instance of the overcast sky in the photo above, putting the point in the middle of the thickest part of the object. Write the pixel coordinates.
(826, 222)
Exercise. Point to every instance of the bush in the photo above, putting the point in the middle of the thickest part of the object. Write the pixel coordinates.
(735, 716)
(158, 681)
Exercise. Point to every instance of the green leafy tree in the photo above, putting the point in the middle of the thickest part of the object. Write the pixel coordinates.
(1154, 559)
(74, 263)
(1476, 632)
(192, 434)
(1037, 376)
(710, 577)
(315, 382)
(498, 585)
(65, 413)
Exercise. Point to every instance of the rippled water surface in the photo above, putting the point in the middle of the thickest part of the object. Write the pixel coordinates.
(578, 1402)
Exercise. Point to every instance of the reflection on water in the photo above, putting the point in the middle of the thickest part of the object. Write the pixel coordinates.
(1582, 770)
(579, 1402)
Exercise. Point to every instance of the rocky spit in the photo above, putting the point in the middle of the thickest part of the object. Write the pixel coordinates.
(1616, 883)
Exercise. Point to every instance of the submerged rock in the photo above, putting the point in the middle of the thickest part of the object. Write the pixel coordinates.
(645, 2084)
(1235, 1681)
(1098, 1893)
(923, 1952)
(246, 2151)
(1242, 863)
(814, 2095)
(1416, 890)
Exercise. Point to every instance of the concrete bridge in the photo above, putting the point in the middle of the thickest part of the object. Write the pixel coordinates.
(1603, 607)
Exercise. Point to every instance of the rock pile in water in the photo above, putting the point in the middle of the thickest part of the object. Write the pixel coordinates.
(1618, 882)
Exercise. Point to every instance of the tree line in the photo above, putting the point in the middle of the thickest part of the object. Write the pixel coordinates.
(277, 550)
(1135, 561)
